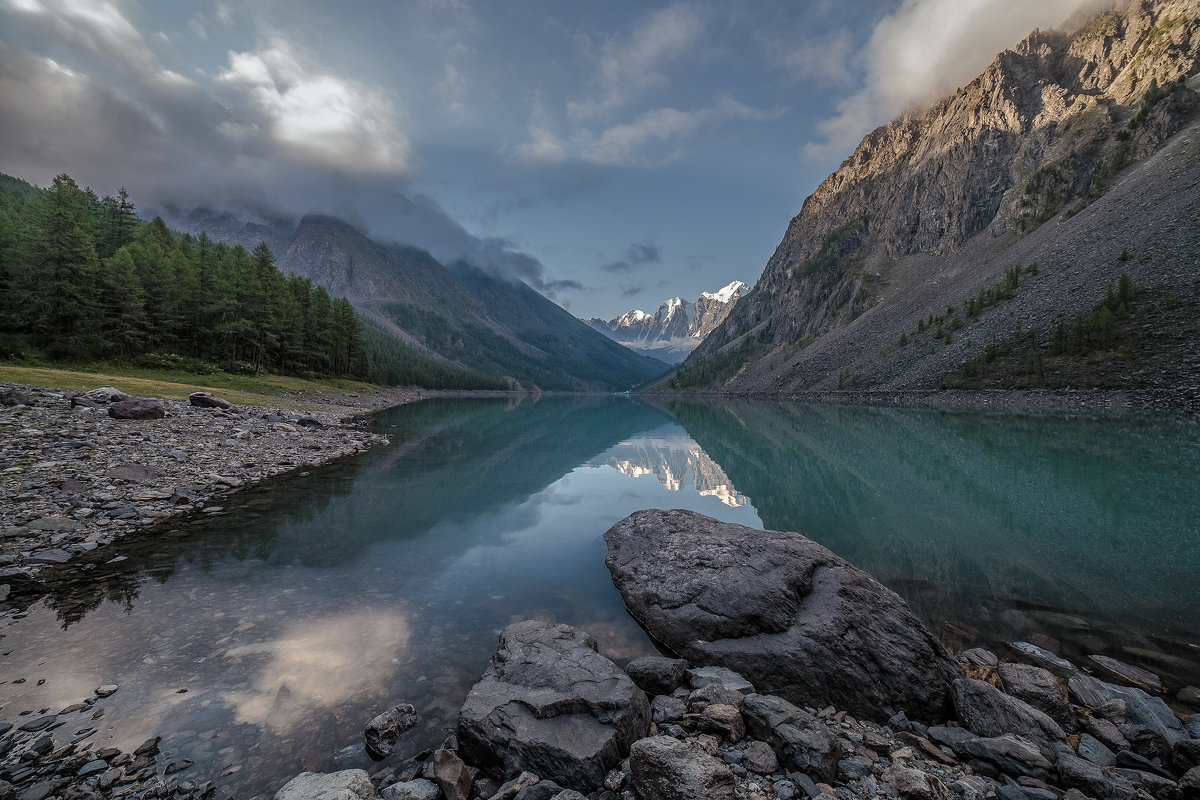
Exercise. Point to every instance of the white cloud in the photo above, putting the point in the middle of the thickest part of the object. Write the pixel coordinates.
(316, 115)
(924, 50)
(97, 26)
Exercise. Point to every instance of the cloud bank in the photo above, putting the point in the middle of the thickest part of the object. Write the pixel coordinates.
(925, 50)
(274, 135)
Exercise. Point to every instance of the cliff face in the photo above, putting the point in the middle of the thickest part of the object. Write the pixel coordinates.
(1048, 127)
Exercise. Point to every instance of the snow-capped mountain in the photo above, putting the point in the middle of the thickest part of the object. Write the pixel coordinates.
(674, 330)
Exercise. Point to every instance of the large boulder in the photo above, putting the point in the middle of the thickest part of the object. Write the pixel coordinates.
(780, 609)
(208, 400)
(350, 784)
(1041, 689)
(550, 704)
(136, 409)
(663, 768)
(986, 711)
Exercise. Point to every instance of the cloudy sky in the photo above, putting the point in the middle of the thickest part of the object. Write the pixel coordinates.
(611, 154)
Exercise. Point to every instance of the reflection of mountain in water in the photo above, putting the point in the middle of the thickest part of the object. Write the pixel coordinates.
(449, 461)
(1001, 525)
(675, 462)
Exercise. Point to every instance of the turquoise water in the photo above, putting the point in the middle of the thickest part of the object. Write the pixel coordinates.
(317, 601)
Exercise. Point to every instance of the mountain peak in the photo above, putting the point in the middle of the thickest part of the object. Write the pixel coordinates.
(676, 327)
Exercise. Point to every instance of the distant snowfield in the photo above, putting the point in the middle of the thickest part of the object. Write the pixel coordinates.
(676, 328)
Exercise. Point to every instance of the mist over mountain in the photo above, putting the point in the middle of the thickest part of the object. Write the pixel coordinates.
(482, 319)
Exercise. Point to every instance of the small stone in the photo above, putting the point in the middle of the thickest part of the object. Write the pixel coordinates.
(979, 657)
(518, 784)
(759, 757)
(106, 690)
(92, 767)
(1093, 750)
(720, 676)
(418, 789)
(723, 720)
(383, 731)
(451, 775)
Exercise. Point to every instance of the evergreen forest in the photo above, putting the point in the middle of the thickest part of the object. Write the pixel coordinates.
(84, 279)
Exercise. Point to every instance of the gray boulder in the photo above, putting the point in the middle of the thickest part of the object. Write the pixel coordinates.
(208, 400)
(987, 711)
(1094, 781)
(1041, 689)
(664, 768)
(800, 740)
(349, 784)
(1011, 753)
(419, 789)
(1140, 708)
(657, 674)
(550, 704)
(789, 615)
(382, 732)
(105, 394)
(136, 409)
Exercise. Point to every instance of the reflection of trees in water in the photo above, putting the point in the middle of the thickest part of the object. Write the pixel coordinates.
(992, 524)
(449, 460)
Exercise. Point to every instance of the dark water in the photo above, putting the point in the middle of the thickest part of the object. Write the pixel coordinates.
(320, 600)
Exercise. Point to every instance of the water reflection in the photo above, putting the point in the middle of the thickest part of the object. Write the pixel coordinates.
(319, 664)
(675, 461)
(992, 527)
(319, 601)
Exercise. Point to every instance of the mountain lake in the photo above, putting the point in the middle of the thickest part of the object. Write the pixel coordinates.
(260, 641)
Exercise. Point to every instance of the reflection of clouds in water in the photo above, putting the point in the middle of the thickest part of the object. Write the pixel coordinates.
(318, 665)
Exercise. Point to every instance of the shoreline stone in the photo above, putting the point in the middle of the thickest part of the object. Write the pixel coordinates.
(76, 479)
(786, 613)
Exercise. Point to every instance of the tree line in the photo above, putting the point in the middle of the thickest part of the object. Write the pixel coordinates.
(83, 278)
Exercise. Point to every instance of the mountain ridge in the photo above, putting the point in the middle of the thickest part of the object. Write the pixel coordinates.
(460, 314)
(676, 327)
(933, 208)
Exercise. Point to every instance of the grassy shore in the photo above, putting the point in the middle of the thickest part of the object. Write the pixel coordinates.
(275, 391)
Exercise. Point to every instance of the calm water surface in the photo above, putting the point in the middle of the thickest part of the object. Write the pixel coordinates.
(261, 640)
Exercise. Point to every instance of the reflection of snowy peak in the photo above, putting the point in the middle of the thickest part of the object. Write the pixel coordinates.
(674, 464)
(676, 327)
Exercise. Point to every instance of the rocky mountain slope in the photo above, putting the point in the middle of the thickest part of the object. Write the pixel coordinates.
(676, 328)
(975, 242)
(458, 313)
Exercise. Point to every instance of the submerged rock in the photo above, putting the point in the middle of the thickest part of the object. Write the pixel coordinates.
(382, 732)
(550, 704)
(789, 615)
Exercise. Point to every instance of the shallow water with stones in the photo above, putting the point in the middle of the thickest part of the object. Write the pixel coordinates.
(258, 642)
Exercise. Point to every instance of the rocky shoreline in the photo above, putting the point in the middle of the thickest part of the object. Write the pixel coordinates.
(78, 470)
(1069, 402)
(553, 719)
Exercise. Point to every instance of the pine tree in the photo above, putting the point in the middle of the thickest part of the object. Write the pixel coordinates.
(60, 257)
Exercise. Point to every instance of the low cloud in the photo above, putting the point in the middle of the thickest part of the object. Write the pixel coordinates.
(631, 291)
(276, 136)
(924, 50)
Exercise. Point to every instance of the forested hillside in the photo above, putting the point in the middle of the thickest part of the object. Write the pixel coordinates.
(84, 279)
